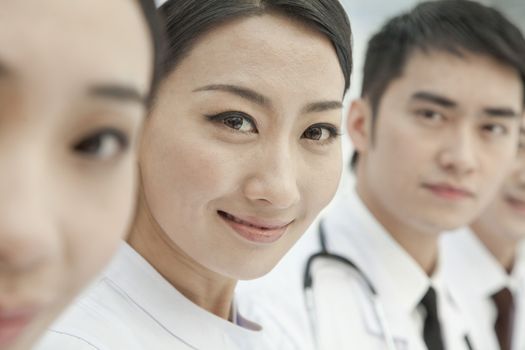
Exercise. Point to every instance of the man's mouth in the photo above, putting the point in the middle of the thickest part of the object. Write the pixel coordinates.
(449, 192)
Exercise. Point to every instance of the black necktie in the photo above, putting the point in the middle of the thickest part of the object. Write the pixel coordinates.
(432, 328)
(504, 302)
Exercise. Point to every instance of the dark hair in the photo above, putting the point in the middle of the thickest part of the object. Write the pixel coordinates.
(187, 20)
(455, 26)
(149, 11)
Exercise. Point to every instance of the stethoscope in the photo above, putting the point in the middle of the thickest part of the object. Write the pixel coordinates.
(372, 292)
(374, 297)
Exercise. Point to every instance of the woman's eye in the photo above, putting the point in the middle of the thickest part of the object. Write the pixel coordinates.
(495, 129)
(102, 145)
(521, 149)
(239, 123)
(521, 142)
(235, 120)
(320, 133)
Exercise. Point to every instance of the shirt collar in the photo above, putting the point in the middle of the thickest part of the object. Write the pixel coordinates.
(148, 290)
(352, 231)
(518, 273)
(469, 266)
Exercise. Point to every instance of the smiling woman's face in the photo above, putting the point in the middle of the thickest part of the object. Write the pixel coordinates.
(242, 150)
(71, 108)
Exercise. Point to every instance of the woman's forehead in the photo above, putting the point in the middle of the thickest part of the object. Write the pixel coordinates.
(75, 42)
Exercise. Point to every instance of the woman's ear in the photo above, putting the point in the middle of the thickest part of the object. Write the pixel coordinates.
(359, 124)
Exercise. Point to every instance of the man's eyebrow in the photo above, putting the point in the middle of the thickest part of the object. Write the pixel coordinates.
(434, 98)
(322, 106)
(118, 92)
(240, 91)
(500, 112)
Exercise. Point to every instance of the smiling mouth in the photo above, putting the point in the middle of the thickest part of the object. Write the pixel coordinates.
(254, 231)
(516, 204)
(12, 325)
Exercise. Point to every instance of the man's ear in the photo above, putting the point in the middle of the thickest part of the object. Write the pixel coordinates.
(359, 125)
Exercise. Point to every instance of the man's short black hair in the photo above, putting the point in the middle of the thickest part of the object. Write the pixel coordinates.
(454, 26)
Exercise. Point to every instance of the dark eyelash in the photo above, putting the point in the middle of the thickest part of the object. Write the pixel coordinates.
(223, 115)
(121, 137)
(221, 118)
(332, 129)
(425, 112)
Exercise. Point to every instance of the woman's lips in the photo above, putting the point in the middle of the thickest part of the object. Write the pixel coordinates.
(13, 323)
(255, 230)
(516, 204)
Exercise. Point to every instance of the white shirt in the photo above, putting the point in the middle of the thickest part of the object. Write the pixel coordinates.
(345, 317)
(474, 276)
(132, 307)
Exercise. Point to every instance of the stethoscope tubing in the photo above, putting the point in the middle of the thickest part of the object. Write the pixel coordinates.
(308, 290)
(374, 296)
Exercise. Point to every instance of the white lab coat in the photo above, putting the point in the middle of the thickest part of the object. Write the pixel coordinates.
(132, 307)
(474, 276)
(345, 317)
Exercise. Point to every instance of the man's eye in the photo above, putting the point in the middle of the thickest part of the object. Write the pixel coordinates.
(430, 115)
(104, 144)
(235, 120)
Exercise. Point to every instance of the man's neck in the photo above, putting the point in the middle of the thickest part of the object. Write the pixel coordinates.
(421, 245)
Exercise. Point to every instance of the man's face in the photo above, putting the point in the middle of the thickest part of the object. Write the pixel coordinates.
(445, 136)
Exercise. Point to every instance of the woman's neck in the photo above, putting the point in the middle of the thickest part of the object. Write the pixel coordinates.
(207, 289)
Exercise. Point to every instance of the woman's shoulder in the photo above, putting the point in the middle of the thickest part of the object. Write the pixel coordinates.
(102, 318)
(59, 340)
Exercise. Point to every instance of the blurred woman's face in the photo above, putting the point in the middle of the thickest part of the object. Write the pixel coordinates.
(505, 216)
(73, 77)
(242, 150)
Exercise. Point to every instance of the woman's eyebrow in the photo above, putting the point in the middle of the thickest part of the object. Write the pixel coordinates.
(243, 92)
(117, 92)
(322, 106)
(257, 98)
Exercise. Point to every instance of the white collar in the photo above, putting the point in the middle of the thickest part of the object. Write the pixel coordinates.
(471, 267)
(143, 286)
(352, 231)
(518, 273)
